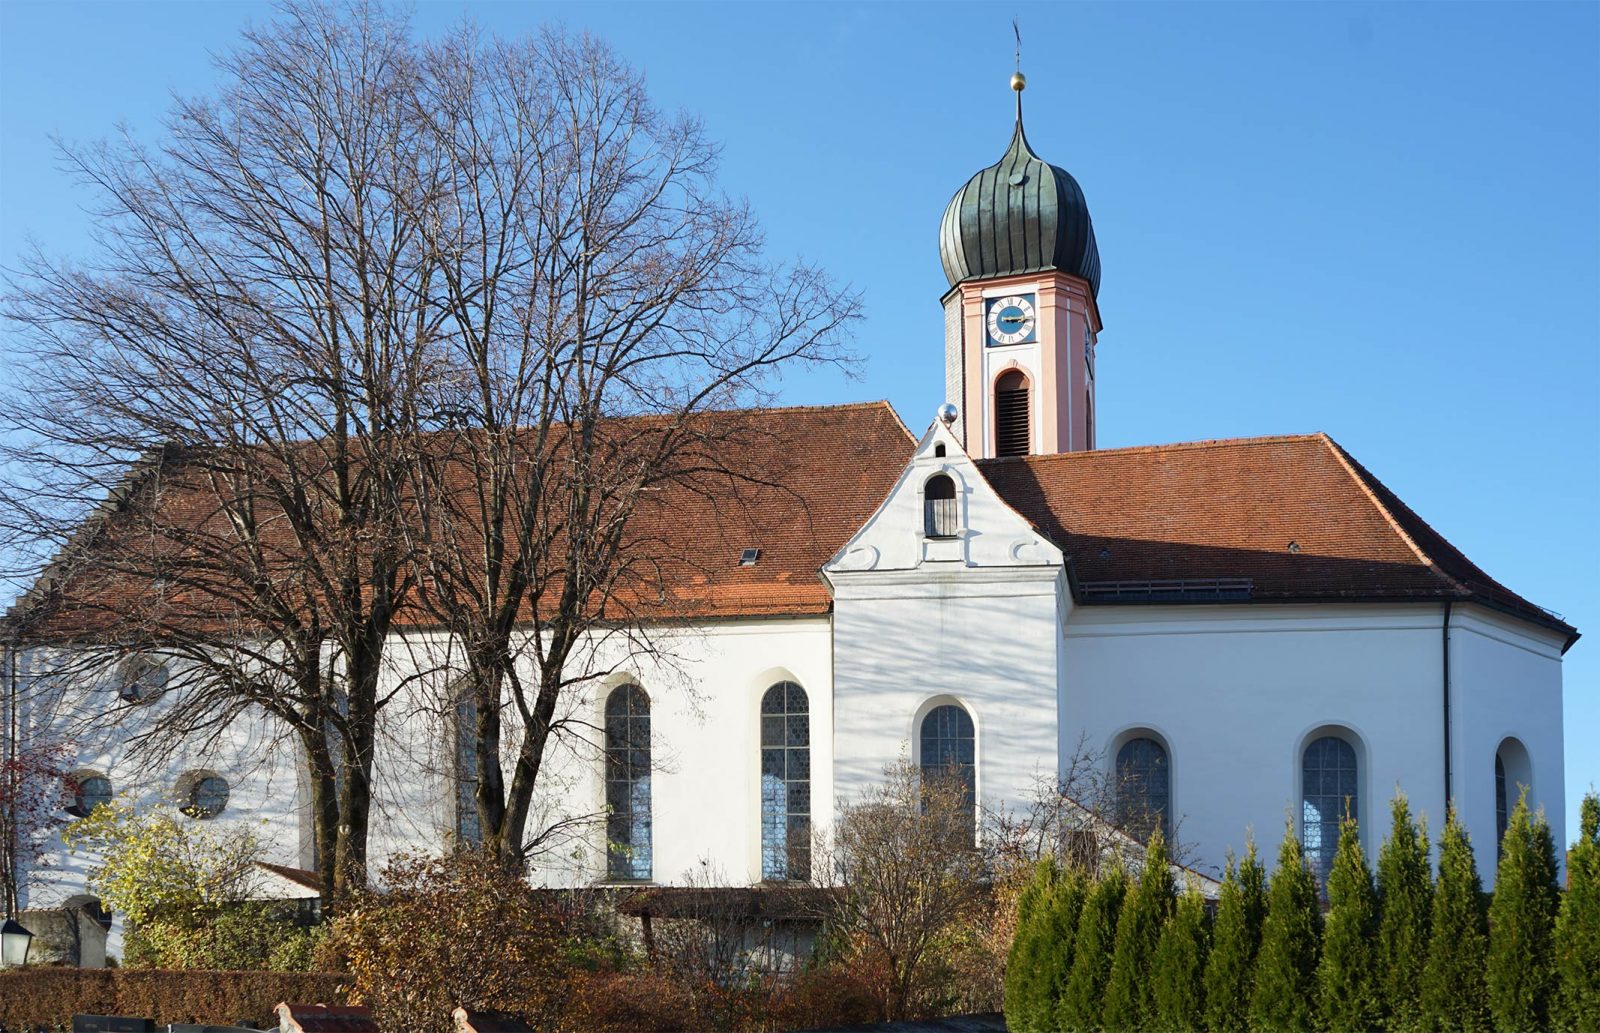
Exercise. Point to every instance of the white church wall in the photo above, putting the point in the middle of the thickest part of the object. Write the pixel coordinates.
(1505, 683)
(83, 714)
(1236, 692)
(972, 619)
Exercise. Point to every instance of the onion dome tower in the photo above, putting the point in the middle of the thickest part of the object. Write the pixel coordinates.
(1021, 318)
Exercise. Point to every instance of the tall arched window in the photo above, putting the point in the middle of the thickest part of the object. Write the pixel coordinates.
(950, 750)
(939, 519)
(785, 783)
(1012, 422)
(628, 846)
(1144, 787)
(1512, 774)
(1329, 780)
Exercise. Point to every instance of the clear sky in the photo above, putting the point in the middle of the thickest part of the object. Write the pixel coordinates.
(1379, 221)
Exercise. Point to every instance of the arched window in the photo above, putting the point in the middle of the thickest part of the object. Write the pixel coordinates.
(1144, 787)
(628, 850)
(1012, 422)
(1328, 789)
(950, 750)
(939, 519)
(785, 783)
(1512, 774)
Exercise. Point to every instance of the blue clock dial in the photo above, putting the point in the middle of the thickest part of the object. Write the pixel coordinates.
(1011, 319)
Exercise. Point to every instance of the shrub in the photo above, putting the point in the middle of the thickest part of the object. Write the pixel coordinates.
(1453, 993)
(1081, 1005)
(458, 930)
(1129, 989)
(1521, 969)
(1284, 997)
(1026, 986)
(49, 997)
(1061, 932)
(1236, 938)
(1347, 978)
(1405, 891)
(1578, 928)
(1178, 968)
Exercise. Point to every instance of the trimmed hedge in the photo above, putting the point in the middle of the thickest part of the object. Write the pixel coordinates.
(46, 998)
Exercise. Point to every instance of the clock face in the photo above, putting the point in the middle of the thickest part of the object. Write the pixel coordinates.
(1011, 319)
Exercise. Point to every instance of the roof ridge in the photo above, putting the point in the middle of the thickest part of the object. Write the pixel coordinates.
(1265, 439)
(1356, 472)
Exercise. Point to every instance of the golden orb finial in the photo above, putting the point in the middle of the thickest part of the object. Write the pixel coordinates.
(1019, 82)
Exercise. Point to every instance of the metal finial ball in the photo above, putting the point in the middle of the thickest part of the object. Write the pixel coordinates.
(1019, 82)
(948, 414)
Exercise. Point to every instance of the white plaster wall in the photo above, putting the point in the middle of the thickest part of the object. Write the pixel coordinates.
(252, 752)
(1505, 682)
(1237, 691)
(921, 621)
(705, 686)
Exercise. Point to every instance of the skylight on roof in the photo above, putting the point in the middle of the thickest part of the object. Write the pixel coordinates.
(748, 557)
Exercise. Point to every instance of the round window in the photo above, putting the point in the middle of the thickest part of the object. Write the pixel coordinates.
(207, 797)
(89, 792)
(144, 680)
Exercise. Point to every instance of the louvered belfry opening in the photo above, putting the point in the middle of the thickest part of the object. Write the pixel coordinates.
(940, 517)
(1011, 422)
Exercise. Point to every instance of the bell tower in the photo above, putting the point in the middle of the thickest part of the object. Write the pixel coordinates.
(1020, 317)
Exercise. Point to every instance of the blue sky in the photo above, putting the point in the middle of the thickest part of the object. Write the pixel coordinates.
(1379, 221)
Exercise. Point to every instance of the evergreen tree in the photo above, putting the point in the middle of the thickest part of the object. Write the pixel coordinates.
(1129, 991)
(1285, 994)
(1347, 978)
(1454, 996)
(1405, 896)
(1578, 928)
(1029, 949)
(1179, 967)
(1082, 1003)
(1522, 918)
(1060, 932)
(1236, 937)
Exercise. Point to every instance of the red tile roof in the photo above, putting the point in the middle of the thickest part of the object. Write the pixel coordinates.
(1294, 516)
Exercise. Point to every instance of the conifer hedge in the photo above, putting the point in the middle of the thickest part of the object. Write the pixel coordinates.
(1404, 951)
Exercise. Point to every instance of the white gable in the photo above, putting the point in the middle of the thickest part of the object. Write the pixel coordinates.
(989, 532)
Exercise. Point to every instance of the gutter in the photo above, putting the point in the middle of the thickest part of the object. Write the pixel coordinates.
(1445, 667)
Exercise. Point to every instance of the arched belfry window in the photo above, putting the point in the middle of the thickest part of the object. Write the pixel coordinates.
(940, 516)
(1329, 788)
(1012, 417)
(1144, 787)
(628, 844)
(949, 749)
(785, 783)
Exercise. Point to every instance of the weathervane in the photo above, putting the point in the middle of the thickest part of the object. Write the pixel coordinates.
(1019, 82)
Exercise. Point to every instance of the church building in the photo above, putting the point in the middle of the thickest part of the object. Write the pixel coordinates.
(1242, 632)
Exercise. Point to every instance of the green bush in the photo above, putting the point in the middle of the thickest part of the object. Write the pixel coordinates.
(1236, 937)
(1405, 895)
(1453, 992)
(1578, 928)
(1129, 990)
(1082, 1004)
(1026, 995)
(1522, 918)
(1178, 968)
(1284, 998)
(1347, 977)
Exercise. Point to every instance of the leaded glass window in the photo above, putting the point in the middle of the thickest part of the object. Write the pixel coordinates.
(1144, 787)
(1501, 811)
(207, 797)
(628, 845)
(950, 750)
(88, 792)
(1329, 778)
(785, 783)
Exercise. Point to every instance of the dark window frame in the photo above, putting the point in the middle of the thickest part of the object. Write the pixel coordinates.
(785, 759)
(630, 818)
